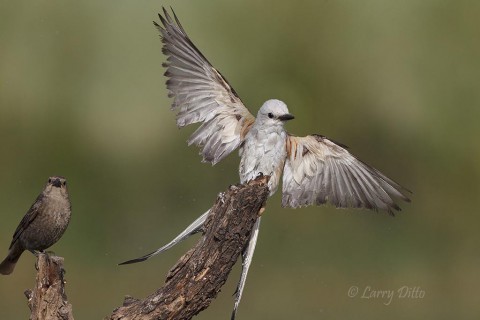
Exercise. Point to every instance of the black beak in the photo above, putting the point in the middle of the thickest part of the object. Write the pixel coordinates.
(56, 183)
(286, 117)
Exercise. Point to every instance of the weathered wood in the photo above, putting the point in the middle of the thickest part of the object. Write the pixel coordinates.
(47, 300)
(198, 276)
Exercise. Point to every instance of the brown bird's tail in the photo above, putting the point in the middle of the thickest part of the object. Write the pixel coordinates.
(7, 265)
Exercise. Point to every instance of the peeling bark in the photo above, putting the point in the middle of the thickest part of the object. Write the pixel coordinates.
(48, 301)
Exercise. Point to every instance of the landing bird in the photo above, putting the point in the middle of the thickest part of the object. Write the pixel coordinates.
(314, 169)
(43, 224)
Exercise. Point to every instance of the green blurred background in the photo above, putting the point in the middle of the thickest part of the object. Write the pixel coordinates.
(82, 95)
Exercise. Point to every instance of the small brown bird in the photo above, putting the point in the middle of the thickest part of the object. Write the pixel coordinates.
(43, 224)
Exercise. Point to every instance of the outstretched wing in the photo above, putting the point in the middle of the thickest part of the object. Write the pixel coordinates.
(319, 171)
(201, 94)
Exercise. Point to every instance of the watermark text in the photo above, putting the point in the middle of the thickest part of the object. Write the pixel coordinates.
(386, 295)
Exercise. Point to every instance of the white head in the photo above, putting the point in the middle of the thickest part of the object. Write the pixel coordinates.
(273, 112)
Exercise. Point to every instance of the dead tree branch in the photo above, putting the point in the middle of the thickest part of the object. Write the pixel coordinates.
(196, 279)
(192, 283)
(47, 300)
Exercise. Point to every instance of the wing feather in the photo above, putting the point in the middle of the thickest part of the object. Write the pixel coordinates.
(27, 219)
(201, 94)
(319, 171)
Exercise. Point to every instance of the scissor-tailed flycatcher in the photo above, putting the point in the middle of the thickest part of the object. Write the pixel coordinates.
(315, 169)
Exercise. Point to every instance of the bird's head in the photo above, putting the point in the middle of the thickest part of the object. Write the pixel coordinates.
(56, 185)
(274, 112)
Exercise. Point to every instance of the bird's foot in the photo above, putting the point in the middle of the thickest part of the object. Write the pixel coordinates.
(49, 253)
(35, 252)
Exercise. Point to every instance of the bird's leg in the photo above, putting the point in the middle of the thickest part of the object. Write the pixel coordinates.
(195, 227)
(247, 256)
(35, 253)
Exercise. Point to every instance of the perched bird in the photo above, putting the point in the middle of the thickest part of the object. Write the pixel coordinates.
(43, 224)
(315, 170)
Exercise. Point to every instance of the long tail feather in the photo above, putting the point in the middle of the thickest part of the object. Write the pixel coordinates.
(194, 227)
(247, 257)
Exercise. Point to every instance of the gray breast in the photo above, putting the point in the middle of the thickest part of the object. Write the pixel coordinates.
(263, 152)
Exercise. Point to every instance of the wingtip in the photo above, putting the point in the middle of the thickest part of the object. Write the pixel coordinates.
(407, 199)
(396, 207)
(162, 19)
(165, 12)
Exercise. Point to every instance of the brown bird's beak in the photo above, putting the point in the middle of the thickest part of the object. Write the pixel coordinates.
(56, 183)
(286, 117)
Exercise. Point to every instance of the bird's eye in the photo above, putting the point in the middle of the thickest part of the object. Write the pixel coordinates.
(270, 115)
(49, 180)
(64, 183)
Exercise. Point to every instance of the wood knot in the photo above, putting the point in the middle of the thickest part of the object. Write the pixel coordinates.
(29, 294)
(129, 300)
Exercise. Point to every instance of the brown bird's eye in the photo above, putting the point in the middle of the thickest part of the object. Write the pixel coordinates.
(49, 180)
(64, 183)
(270, 115)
